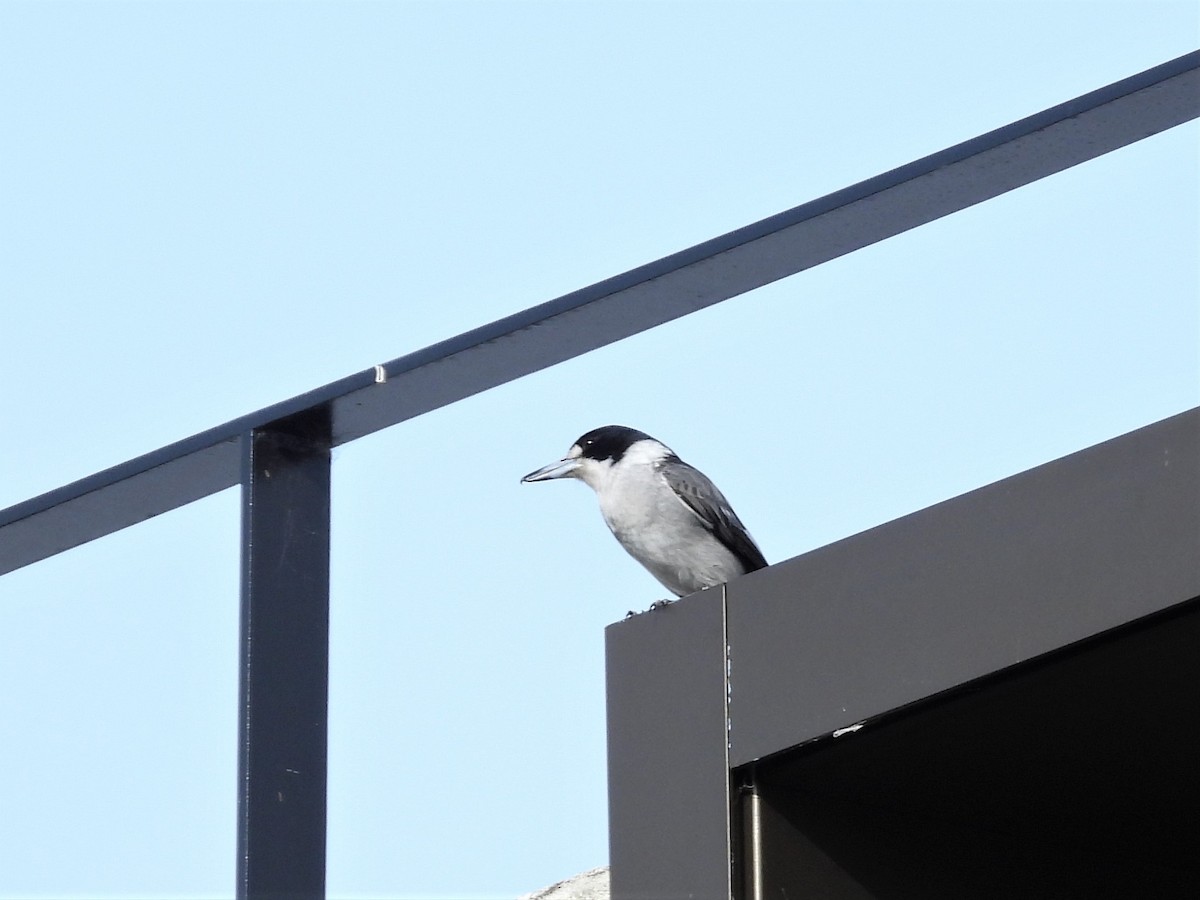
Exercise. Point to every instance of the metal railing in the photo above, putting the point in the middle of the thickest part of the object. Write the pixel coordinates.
(285, 605)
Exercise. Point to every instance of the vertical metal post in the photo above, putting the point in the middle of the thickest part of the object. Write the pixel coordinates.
(284, 659)
(750, 841)
(668, 769)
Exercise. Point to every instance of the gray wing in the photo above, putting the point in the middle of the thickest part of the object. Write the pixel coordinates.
(703, 498)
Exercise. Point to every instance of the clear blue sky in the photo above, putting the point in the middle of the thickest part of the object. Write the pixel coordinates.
(206, 208)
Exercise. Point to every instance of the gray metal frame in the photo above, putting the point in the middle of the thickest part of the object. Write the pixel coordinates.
(295, 436)
(826, 667)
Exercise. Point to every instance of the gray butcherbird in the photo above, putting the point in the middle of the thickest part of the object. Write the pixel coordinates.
(669, 516)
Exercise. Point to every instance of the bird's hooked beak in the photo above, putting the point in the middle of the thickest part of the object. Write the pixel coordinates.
(564, 468)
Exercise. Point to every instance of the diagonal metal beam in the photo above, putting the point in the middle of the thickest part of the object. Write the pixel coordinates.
(541, 336)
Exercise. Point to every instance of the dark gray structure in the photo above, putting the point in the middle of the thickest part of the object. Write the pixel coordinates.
(994, 697)
(284, 640)
(284, 677)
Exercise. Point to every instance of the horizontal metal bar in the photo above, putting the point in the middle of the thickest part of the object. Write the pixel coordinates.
(541, 336)
(964, 589)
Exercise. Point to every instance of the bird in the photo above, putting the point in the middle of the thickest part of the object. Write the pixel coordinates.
(667, 514)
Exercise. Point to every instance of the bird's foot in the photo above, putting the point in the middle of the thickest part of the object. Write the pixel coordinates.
(657, 604)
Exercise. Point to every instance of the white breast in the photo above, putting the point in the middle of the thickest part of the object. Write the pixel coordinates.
(659, 531)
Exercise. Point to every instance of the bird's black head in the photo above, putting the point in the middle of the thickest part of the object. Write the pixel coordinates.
(609, 442)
